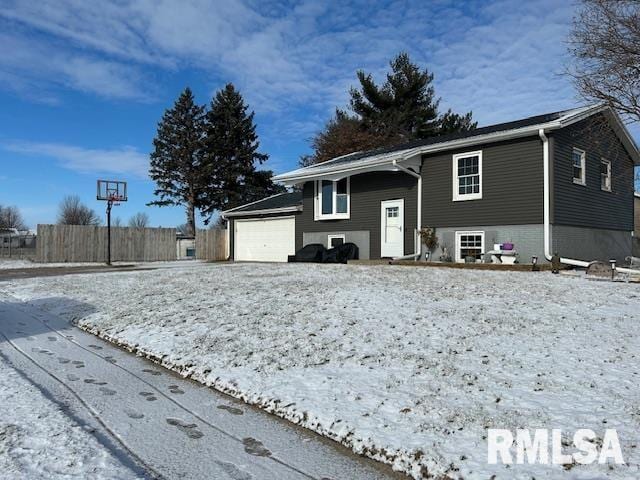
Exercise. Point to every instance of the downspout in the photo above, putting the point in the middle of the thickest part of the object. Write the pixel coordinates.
(408, 171)
(547, 206)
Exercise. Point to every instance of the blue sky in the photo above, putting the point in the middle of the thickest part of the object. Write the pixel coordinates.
(83, 84)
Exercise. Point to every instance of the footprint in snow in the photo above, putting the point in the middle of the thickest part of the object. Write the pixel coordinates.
(255, 447)
(234, 471)
(89, 380)
(175, 389)
(151, 372)
(31, 339)
(63, 360)
(133, 414)
(148, 396)
(110, 359)
(231, 410)
(107, 391)
(95, 347)
(189, 429)
(71, 377)
(52, 339)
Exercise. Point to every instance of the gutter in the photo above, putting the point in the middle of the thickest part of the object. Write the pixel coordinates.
(408, 171)
(547, 206)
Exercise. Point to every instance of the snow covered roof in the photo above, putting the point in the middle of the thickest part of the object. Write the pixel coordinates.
(383, 158)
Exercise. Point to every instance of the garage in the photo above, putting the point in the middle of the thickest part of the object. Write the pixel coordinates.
(264, 231)
(264, 239)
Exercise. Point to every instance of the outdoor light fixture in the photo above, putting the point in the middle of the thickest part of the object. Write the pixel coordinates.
(613, 268)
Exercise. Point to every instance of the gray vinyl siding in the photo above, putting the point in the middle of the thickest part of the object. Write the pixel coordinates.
(589, 206)
(367, 191)
(512, 186)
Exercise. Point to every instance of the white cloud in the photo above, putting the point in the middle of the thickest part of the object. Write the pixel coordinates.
(295, 61)
(124, 161)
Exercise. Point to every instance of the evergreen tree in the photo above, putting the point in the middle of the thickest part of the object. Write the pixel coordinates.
(402, 109)
(232, 154)
(453, 123)
(177, 159)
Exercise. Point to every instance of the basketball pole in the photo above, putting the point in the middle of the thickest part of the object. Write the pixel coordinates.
(109, 205)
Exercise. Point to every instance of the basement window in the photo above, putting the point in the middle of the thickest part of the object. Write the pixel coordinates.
(469, 244)
(332, 200)
(579, 166)
(467, 176)
(605, 175)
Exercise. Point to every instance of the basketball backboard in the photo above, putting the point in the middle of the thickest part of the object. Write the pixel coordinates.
(112, 190)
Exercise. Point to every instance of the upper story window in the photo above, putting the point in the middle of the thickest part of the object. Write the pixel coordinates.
(605, 175)
(467, 176)
(332, 199)
(579, 166)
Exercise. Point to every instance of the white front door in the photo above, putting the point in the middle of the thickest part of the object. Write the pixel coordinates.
(392, 228)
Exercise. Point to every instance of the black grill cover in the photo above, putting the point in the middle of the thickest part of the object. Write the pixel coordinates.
(341, 253)
(313, 252)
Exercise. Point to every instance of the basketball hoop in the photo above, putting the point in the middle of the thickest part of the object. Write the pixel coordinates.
(113, 192)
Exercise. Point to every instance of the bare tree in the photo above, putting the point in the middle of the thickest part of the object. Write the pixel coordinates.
(605, 45)
(116, 222)
(73, 212)
(139, 220)
(10, 217)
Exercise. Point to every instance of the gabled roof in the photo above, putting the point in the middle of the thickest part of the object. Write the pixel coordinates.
(280, 203)
(385, 158)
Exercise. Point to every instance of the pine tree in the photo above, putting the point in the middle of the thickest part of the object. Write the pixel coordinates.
(177, 160)
(403, 108)
(231, 145)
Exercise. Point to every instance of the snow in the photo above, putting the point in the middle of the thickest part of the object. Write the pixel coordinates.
(406, 365)
(38, 441)
(10, 264)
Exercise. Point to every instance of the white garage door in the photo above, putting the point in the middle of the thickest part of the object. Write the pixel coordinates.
(264, 240)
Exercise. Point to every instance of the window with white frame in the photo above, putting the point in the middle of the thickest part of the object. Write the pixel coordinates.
(335, 239)
(579, 166)
(467, 176)
(605, 175)
(469, 244)
(332, 199)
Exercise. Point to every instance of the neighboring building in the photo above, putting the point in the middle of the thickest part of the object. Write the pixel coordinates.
(185, 247)
(636, 239)
(479, 188)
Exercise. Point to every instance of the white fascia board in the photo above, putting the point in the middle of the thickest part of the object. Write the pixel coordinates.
(268, 211)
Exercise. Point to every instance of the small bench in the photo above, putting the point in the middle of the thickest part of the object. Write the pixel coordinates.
(506, 257)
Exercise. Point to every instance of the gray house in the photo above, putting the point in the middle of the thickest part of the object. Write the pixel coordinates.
(560, 182)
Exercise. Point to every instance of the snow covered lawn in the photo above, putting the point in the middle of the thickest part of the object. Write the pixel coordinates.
(407, 365)
(38, 441)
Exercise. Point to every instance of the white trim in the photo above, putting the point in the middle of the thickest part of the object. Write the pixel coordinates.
(335, 235)
(317, 200)
(383, 220)
(459, 234)
(459, 197)
(266, 211)
(583, 162)
(609, 175)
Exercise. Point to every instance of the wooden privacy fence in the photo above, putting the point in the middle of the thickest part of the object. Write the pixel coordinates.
(85, 243)
(211, 244)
